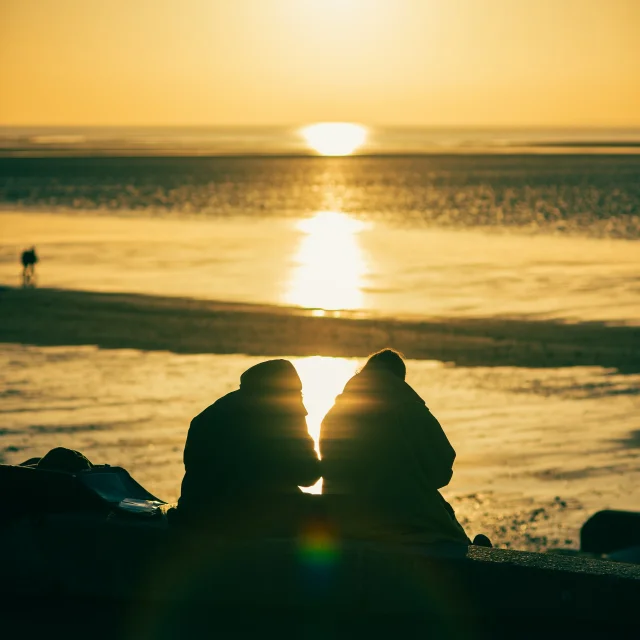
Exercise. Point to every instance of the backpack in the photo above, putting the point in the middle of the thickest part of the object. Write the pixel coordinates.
(29, 490)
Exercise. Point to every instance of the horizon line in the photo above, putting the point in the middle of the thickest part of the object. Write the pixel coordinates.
(306, 123)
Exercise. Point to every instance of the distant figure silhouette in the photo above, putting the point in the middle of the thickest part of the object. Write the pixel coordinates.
(29, 259)
(384, 457)
(247, 454)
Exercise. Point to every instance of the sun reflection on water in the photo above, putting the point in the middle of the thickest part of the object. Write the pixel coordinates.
(330, 265)
(322, 380)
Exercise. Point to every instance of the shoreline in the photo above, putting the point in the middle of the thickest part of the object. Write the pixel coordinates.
(58, 317)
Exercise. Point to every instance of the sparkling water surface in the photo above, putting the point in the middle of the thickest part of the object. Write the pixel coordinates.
(535, 237)
(524, 437)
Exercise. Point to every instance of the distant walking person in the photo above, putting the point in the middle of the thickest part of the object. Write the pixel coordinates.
(247, 454)
(384, 457)
(29, 259)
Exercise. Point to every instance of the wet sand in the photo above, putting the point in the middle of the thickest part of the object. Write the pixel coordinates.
(546, 431)
(51, 317)
(539, 450)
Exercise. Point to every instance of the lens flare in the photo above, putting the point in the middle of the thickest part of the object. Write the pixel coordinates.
(318, 546)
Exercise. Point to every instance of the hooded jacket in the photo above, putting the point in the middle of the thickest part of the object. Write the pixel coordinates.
(249, 445)
(385, 456)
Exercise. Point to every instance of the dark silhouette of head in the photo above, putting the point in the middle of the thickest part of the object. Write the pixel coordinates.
(387, 360)
(272, 376)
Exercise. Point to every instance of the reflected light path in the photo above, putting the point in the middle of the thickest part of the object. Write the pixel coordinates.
(329, 264)
(322, 380)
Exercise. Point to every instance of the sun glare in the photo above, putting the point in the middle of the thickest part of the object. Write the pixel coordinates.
(322, 380)
(334, 138)
(329, 264)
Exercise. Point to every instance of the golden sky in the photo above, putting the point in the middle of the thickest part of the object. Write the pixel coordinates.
(254, 62)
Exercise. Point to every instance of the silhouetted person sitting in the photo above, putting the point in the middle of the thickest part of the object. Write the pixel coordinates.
(247, 454)
(384, 457)
(28, 259)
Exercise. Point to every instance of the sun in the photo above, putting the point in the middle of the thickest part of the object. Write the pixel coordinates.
(334, 138)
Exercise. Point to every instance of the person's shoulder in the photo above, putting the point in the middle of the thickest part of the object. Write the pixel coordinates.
(399, 395)
(218, 408)
(413, 395)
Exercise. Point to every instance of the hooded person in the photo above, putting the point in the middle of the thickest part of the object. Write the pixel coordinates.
(249, 451)
(384, 457)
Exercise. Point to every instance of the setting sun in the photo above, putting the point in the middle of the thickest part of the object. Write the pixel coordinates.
(335, 138)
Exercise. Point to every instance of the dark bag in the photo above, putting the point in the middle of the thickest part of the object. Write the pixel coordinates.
(33, 489)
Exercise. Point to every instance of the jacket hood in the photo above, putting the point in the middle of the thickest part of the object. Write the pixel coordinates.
(382, 385)
(275, 376)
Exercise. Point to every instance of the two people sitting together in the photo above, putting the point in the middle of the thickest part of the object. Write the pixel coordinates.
(384, 458)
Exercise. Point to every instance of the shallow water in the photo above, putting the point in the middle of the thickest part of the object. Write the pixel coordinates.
(589, 195)
(330, 260)
(466, 236)
(538, 450)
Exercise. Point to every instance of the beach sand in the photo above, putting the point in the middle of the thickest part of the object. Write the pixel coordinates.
(49, 317)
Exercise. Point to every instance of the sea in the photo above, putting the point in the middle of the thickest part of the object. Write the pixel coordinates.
(536, 225)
